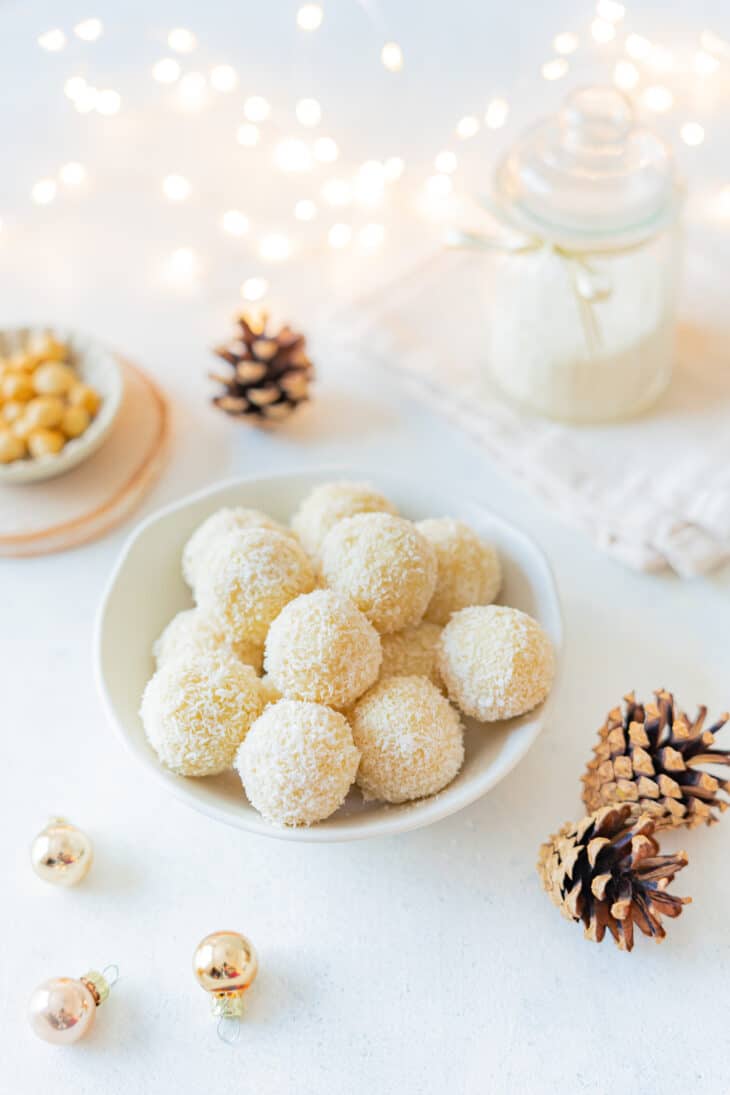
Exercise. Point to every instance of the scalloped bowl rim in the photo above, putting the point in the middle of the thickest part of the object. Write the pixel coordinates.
(384, 819)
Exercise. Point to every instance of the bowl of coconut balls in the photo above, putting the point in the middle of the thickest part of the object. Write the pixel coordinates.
(328, 655)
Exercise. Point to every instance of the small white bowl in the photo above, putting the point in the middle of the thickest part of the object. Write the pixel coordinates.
(97, 366)
(146, 590)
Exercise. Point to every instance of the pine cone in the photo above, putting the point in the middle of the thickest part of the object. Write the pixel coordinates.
(606, 871)
(652, 759)
(271, 373)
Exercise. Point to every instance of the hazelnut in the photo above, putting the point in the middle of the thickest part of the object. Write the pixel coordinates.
(74, 421)
(12, 410)
(44, 410)
(45, 347)
(11, 447)
(83, 395)
(42, 442)
(17, 386)
(53, 378)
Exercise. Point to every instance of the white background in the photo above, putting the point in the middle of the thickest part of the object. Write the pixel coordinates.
(426, 962)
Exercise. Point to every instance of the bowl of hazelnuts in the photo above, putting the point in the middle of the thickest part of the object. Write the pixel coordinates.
(59, 395)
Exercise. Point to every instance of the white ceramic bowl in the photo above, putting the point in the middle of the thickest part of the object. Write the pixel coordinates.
(97, 366)
(146, 589)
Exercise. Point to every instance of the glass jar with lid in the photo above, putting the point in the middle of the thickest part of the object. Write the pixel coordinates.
(582, 304)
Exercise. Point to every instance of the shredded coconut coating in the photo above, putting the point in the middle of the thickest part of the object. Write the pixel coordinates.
(384, 565)
(271, 692)
(249, 578)
(321, 648)
(193, 631)
(229, 519)
(496, 662)
(298, 762)
(410, 737)
(197, 709)
(469, 571)
(329, 503)
(412, 653)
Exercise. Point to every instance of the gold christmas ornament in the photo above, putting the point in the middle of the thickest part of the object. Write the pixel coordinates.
(61, 853)
(63, 1009)
(606, 871)
(225, 965)
(652, 757)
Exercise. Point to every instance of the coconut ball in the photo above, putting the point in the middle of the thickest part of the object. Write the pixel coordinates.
(412, 653)
(321, 648)
(249, 578)
(297, 762)
(469, 571)
(410, 737)
(193, 630)
(329, 503)
(197, 709)
(384, 565)
(496, 662)
(229, 519)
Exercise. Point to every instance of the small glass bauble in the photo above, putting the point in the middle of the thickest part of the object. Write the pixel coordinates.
(225, 965)
(62, 1010)
(61, 854)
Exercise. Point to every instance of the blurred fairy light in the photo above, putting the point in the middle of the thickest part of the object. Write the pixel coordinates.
(439, 186)
(74, 86)
(339, 235)
(305, 210)
(467, 127)
(166, 70)
(566, 42)
(275, 248)
(371, 236)
(637, 47)
(393, 169)
(692, 134)
(235, 222)
(392, 57)
(610, 10)
(657, 98)
(254, 289)
(182, 263)
(182, 40)
(176, 188)
(326, 150)
(85, 100)
(72, 174)
(446, 162)
(602, 31)
(308, 112)
(191, 90)
(247, 135)
(44, 191)
(52, 40)
(496, 113)
(555, 69)
(88, 30)
(256, 108)
(108, 101)
(369, 183)
(705, 64)
(224, 78)
(309, 16)
(625, 75)
(337, 192)
(293, 155)
(713, 43)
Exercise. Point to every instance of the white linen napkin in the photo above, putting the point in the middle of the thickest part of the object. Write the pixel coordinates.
(653, 491)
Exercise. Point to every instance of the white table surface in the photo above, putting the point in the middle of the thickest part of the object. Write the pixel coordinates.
(417, 964)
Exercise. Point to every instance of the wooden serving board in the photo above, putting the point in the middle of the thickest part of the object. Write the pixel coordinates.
(58, 514)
